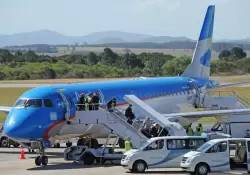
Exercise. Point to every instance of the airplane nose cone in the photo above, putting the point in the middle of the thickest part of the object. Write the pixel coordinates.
(13, 125)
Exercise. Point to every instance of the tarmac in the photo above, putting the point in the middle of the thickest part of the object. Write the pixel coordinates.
(10, 163)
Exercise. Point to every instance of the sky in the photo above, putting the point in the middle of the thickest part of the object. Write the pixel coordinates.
(155, 17)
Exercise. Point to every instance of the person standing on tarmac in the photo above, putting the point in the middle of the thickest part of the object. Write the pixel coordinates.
(189, 130)
(127, 144)
(199, 129)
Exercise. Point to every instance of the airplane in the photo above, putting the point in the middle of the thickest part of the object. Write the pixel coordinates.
(39, 114)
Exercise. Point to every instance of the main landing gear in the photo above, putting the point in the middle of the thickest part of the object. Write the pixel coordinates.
(42, 159)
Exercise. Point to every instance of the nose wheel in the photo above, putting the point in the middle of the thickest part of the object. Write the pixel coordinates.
(42, 159)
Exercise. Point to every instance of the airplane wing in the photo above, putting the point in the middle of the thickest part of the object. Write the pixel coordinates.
(201, 114)
(189, 117)
(5, 109)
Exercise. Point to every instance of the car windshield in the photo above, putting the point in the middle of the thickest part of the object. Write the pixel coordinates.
(32, 103)
(203, 147)
(144, 144)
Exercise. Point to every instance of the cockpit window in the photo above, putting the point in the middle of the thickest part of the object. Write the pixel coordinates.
(20, 103)
(32, 103)
(48, 103)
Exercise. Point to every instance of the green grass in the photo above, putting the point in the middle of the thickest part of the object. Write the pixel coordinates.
(8, 97)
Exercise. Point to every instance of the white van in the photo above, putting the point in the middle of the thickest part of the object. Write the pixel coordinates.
(160, 152)
(218, 155)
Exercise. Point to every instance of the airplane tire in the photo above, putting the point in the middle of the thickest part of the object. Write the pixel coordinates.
(4, 142)
(44, 160)
(38, 161)
(121, 143)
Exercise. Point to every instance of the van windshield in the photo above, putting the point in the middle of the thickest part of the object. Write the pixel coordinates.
(203, 147)
(144, 144)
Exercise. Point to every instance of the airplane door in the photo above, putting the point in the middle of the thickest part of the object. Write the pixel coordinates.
(66, 103)
(102, 98)
(197, 93)
(248, 155)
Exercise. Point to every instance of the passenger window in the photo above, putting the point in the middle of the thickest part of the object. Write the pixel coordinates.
(157, 145)
(220, 147)
(184, 143)
(48, 103)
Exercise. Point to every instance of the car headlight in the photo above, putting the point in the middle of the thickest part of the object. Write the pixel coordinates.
(189, 159)
(128, 157)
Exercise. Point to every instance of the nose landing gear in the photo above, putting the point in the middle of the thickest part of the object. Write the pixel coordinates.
(42, 159)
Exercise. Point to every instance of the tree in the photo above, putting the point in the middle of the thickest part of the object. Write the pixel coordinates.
(5, 56)
(49, 73)
(92, 58)
(238, 53)
(224, 55)
(2, 75)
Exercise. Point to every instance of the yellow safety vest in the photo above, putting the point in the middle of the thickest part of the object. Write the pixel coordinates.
(190, 131)
(127, 145)
(201, 131)
(88, 99)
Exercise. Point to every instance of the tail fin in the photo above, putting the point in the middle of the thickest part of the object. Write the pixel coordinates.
(200, 65)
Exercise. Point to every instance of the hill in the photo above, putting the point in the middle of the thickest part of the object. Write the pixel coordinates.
(54, 38)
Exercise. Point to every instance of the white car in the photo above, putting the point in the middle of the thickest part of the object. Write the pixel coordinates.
(160, 152)
(218, 155)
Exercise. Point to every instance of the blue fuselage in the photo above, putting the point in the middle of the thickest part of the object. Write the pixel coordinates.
(34, 123)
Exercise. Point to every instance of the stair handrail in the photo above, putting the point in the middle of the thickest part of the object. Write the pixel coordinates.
(125, 122)
(243, 100)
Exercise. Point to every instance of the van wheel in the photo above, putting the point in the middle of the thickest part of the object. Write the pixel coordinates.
(202, 169)
(139, 166)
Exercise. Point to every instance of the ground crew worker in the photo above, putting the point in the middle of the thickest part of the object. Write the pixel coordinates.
(189, 130)
(89, 97)
(127, 144)
(199, 129)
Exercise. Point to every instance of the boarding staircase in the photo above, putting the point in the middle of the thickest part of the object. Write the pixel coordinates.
(223, 100)
(116, 121)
